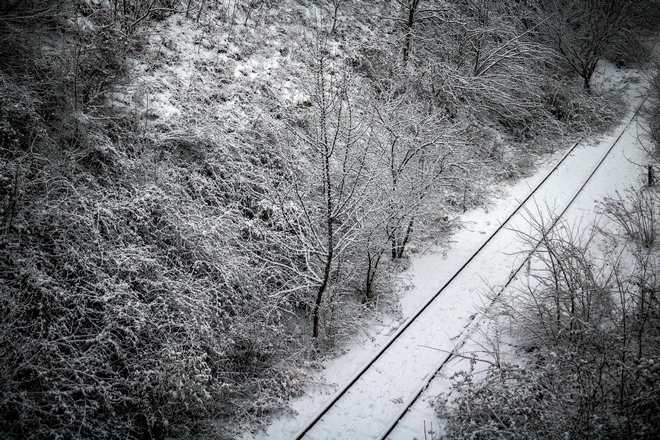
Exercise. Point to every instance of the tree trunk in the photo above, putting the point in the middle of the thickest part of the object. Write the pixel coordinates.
(372, 267)
(412, 5)
(329, 219)
(651, 175)
(402, 246)
(319, 296)
(398, 247)
(587, 83)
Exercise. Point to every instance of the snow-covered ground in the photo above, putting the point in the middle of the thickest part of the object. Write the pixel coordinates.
(382, 392)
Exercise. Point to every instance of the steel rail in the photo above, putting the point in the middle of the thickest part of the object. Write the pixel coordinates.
(317, 416)
(475, 322)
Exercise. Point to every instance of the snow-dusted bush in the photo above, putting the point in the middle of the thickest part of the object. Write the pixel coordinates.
(583, 32)
(125, 312)
(510, 402)
(637, 213)
(126, 309)
(491, 64)
(588, 329)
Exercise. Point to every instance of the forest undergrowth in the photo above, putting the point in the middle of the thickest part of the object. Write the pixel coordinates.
(201, 199)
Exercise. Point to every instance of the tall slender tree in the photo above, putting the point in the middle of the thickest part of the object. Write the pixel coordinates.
(327, 205)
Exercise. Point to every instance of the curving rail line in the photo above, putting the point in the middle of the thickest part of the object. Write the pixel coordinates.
(342, 391)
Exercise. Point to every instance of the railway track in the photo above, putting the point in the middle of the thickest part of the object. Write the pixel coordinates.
(331, 421)
(388, 430)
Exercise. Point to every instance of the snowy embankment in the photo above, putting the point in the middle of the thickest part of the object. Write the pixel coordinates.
(398, 374)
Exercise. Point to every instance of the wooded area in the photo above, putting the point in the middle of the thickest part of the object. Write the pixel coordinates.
(201, 198)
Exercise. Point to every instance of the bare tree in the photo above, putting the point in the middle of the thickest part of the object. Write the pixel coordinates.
(335, 12)
(412, 13)
(582, 30)
(326, 204)
(419, 158)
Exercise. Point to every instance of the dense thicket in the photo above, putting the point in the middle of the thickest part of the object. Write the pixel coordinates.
(162, 275)
(126, 311)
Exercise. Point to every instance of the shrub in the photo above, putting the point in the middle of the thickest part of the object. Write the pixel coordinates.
(637, 213)
(588, 330)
